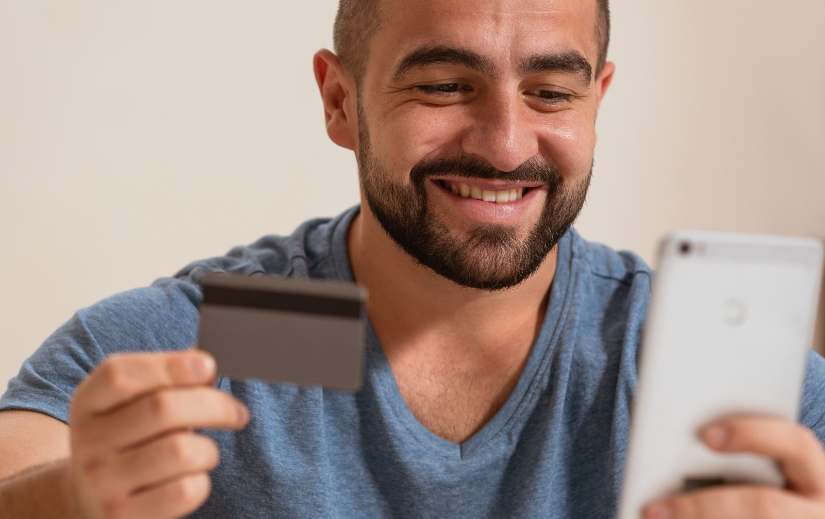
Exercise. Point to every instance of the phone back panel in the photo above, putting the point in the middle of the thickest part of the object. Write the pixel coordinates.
(728, 331)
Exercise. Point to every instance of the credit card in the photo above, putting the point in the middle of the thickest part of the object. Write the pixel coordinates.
(299, 331)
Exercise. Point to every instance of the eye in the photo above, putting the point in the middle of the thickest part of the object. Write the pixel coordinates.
(444, 88)
(554, 96)
(550, 98)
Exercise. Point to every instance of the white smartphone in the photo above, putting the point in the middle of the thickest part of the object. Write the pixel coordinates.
(728, 332)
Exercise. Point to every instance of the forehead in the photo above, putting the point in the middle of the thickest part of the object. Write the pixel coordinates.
(503, 30)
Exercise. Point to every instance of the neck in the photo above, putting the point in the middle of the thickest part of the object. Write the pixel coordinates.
(416, 312)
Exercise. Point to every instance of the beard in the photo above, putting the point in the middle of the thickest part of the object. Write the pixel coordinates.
(490, 257)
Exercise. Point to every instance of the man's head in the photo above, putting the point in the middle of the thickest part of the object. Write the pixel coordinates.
(358, 20)
(473, 124)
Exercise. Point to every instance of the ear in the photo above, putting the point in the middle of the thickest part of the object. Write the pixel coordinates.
(603, 81)
(338, 94)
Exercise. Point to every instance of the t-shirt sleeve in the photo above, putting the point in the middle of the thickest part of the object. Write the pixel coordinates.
(163, 317)
(812, 410)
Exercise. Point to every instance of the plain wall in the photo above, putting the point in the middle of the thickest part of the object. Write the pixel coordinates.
(138, 136)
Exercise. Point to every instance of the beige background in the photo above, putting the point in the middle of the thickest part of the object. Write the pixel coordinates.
(137, 136)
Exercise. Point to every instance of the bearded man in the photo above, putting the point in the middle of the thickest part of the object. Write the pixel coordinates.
(501, 346)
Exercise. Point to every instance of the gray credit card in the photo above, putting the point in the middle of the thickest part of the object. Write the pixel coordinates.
(308, 332)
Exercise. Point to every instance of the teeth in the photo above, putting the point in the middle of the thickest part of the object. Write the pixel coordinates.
(499, 197)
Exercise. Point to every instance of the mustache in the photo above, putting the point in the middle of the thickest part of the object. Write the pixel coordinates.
(470, 166)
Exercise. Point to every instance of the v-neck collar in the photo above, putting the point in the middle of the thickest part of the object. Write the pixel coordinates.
(383, 380)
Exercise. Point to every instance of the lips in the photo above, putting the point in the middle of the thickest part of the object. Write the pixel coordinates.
(484, 193)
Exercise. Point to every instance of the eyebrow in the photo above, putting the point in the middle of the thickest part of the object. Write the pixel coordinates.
(438, 55)
(571, 62)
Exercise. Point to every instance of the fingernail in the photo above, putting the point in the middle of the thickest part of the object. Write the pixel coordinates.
(201, 366)
(716, 436)
(658, 511)
(243, 411)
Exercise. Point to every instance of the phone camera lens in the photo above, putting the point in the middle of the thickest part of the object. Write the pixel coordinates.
(685, 248)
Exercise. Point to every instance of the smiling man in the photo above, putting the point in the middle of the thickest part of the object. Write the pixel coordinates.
(457, 110)
(501, 346)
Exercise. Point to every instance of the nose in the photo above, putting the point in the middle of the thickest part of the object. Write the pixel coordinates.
(500, 132)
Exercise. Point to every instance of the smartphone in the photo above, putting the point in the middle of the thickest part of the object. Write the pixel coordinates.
(728, 331)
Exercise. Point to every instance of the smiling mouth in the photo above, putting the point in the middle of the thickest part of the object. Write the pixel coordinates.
(496, 197)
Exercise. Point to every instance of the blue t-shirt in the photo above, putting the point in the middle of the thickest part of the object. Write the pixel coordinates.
(555, 449)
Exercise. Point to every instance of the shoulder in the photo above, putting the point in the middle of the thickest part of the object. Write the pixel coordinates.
(613, 284)
(160, 317)
(164, 316)
(604, 262)
(310, 251)
(610, 296)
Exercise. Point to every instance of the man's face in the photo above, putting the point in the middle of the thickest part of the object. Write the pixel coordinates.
(490, 99)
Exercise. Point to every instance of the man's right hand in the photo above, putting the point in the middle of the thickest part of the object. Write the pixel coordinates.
(134, 452)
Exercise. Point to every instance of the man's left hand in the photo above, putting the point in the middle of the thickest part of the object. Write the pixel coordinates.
(795, 449)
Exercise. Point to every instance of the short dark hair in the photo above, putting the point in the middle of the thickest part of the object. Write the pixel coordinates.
(358, 21)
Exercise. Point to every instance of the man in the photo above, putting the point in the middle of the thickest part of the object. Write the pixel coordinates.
(501, 346)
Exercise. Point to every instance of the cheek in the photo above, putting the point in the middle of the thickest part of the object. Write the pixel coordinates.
(406, 135)
(568, 141)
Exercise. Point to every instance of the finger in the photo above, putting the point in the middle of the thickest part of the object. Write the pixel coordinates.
(161, 413)
(166, 458)
(171, 500)
(795, 448)
(124, 377)
(733, 502)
